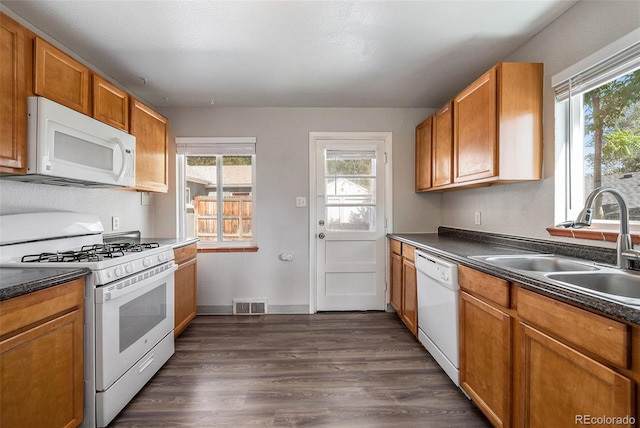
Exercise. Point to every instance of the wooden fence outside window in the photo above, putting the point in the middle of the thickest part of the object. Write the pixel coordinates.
(236, 218)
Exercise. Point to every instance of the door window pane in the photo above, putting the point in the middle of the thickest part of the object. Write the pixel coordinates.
(350, 190)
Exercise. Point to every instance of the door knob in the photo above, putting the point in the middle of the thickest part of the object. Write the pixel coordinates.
(321, 222)
(321, 235)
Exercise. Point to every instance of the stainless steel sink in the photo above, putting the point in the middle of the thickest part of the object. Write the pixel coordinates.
(617, 285)
(606, 282)
(539, 263)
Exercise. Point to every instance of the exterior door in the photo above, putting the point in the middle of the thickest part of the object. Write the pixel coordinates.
(350, 224)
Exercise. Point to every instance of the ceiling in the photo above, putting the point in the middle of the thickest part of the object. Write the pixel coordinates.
(291, 53)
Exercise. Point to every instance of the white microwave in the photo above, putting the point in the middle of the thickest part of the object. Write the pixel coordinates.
(65, 147)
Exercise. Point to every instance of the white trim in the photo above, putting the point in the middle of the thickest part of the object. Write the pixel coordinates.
(313, 138)
(597, 57)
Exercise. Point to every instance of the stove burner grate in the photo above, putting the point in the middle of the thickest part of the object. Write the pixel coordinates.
(90, 253)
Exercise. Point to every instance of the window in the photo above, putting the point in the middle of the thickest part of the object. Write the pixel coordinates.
(216, 190)
(598, 119)
(350, 188)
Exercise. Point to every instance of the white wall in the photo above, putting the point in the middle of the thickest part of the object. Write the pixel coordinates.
(16, 197)
(526, 209)
(282, 174)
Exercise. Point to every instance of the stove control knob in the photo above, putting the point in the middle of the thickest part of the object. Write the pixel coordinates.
(160, 257)
(146, 262)
(129, 268)
(119, 271)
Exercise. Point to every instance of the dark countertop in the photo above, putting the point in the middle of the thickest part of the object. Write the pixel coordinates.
(15, 282)
(458, 247)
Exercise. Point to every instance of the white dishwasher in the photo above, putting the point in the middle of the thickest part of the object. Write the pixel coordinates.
(438, 311)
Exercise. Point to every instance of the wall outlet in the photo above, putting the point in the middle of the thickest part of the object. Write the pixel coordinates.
(301, 201)
(115, 223)
(478, 217)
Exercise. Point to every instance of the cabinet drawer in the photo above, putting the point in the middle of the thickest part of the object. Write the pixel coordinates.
(408, 252)
(481, 284)
(603, 337)
(185, 253)
(395, 246)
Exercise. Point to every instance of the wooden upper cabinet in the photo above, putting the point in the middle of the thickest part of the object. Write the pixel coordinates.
(13, 102)
(498, 126)
(475, 130)
(490, 133)
(110, 104)
(151, 130)
(423, 155)
(61, 78)
(442, 146)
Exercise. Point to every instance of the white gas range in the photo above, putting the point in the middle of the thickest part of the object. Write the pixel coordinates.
(129, 300)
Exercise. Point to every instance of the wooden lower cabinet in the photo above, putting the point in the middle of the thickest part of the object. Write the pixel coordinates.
(42, 358)
(395, 293)
(403, 290)
(410, 295)
(485, 357)
(186, 279)
(527, 360)
(561, 387)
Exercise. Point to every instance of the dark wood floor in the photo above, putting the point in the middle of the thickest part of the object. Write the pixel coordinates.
(323, 370)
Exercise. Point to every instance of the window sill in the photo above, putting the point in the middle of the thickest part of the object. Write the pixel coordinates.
(228, 250)
(591, 234)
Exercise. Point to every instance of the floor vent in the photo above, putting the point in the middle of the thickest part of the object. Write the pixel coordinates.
(249, 306)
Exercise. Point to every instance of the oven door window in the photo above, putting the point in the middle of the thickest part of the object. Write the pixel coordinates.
(139, 316)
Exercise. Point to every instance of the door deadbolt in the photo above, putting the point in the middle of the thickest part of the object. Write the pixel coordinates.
(321, 222)
(321, 235)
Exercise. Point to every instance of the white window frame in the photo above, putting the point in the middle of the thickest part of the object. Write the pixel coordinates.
(569, 182)
(213, 146)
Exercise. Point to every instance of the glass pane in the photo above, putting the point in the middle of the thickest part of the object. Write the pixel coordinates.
(611, 115)
(347, 190)
(349, 163)
(237, 221)
(141, 315)
(201, 209)
(352, 218)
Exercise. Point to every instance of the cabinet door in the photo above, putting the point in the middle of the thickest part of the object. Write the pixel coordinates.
(110, 104)
(42, 358)
(152, 140)
(395, 290)
(443, 146)
(410, 295)
(13, 102)
(485, 358)
(61, 78)
(185, 295)
(475, 138)
(423, 155)
(560, 387)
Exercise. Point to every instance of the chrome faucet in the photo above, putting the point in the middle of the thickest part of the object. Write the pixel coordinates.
(624, 247)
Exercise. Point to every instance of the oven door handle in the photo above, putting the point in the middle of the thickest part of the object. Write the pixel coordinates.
(126, 286)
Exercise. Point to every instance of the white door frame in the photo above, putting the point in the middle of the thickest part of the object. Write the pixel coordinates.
(388, 183)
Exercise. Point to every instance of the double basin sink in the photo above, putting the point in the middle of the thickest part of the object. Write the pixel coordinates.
(610, 283)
